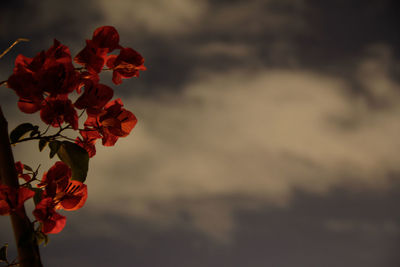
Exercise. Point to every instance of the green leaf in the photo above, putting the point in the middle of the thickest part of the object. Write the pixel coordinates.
(20, 131)
(26, 167)
(38, 195)
(42, 144)
(76, 158)
(35, 131)
(54, 147)
(41, 238)
(3, 253)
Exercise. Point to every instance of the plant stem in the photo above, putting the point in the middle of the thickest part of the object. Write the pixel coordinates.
(28, 251)
(49, 137)
(11, 46)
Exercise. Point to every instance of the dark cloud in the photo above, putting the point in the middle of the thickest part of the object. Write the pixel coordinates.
(175, 37)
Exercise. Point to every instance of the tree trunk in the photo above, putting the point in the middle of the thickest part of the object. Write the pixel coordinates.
(28, 251)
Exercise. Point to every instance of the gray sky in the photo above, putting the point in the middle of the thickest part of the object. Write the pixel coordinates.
(268, 133)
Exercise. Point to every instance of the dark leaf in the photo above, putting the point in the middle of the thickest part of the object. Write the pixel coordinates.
(42, 144)
(3, 253)
(35, 131)
(20, 131)
(26, 167)
(38, 195)
(54, 147)
(41, 238)
(46, 239)
(76, 158)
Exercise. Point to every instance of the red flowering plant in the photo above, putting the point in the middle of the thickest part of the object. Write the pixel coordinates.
(63, 94)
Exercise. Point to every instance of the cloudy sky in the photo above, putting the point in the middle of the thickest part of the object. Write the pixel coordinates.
(268, 134)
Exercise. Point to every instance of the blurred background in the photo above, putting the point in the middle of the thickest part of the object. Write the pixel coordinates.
(268, 133)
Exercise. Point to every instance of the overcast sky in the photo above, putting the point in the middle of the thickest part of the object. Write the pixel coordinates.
(268, 133)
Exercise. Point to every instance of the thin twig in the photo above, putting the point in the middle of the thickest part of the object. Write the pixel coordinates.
(11, 46)
(49, 137)
(45, 132)
(83, 111)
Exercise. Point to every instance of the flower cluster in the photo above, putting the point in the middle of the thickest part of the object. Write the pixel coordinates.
(60, 192)
(44, 83)
(50, 84)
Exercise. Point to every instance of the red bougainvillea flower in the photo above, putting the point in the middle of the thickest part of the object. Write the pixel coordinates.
(106, 37)
(23, 82)
(58, 78)
(66, 193)
(12, 199)
(94, 97)
(49, 72)
(31, 105)
(126, 65)
(19, 167)
(88, 140)
(87, 79)
(57, 75)
(52, 222)
(92, 57)
(72, 197)
(113, 122)
(59, 53)
(56, 179)
(56, 110)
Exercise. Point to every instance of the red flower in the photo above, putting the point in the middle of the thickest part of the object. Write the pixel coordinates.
(91, 57)
(88, 140)
(49, 72)
(72, 197)
(57, 110)
(19, 167)
(56, 179)
(25, 85)
(126, 65)
(87, 79)
(94, 98)
(29, 105)
(58, 75)
(113, 122)
(52, 222)
(58, 78)
(12, 199)
(65, 193)
(106, 37)
(59, 53)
